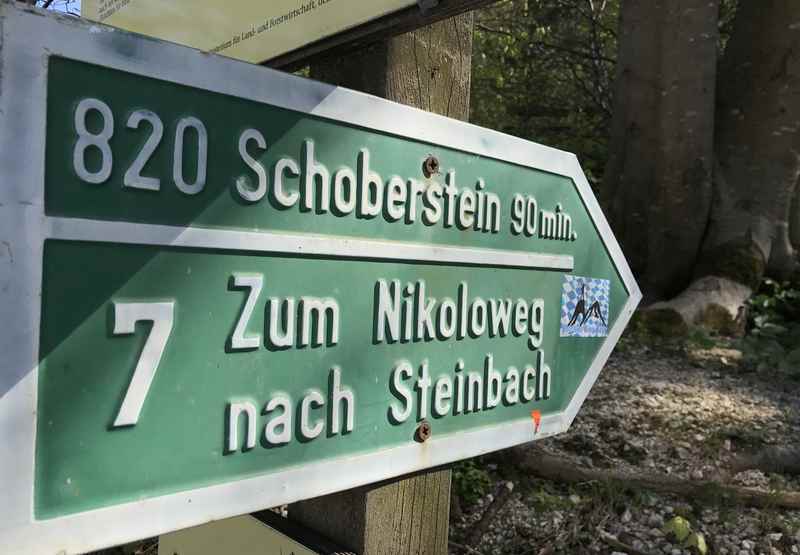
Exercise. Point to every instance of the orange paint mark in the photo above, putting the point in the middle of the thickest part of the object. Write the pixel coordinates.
(537, 418)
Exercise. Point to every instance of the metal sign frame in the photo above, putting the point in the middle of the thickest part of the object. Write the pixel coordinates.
(27, 38)
(249, 534)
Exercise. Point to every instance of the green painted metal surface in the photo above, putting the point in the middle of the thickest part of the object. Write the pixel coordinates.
(179, 442)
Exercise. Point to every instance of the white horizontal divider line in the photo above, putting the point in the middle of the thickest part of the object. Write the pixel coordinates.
(77, 229)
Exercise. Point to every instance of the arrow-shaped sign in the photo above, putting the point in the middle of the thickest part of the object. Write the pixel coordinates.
(226, 288)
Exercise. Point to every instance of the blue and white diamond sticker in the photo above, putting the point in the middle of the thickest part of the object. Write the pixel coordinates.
(584, 307)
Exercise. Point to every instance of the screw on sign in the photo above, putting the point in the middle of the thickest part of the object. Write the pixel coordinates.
(430, 166)
(308, 303)
(424, 431)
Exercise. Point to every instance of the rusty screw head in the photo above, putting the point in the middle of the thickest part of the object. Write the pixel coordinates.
(430, 166)
(424, 431)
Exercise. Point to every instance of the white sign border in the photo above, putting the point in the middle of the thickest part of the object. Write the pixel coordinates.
(27, 38)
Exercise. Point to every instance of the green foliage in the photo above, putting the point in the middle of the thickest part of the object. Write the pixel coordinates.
(611, 494)
(470, 481)
(543, 500)
(773, 339)
(680, 531)
(543, 70)
(678, 528)
(701, 338)
(656, 325)
(774, 308)
(727, 15)
(696, 543)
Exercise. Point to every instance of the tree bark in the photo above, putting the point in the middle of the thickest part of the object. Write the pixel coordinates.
(754, 225)
(757, 146)
(657, 183)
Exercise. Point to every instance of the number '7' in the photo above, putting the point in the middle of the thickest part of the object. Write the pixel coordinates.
(125, 317)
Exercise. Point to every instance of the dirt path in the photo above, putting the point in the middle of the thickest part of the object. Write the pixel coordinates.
(677, 412)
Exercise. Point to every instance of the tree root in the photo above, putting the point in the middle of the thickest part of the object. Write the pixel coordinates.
(777, 460)
(561, 469)
(714, 303)
(464, 548)
(501, 496)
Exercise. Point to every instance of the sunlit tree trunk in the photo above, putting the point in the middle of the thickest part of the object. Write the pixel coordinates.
(657, 184)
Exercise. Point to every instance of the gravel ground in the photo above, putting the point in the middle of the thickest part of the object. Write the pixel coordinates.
(661, 411)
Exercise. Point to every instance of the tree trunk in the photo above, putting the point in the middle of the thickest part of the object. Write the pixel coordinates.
(657, 184)
(753, 224)
(757, 146)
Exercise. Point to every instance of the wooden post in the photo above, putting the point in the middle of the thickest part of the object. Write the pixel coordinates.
(429, 69)
(409, 515)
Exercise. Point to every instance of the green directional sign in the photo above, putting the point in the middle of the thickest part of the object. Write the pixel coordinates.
(227, 288)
